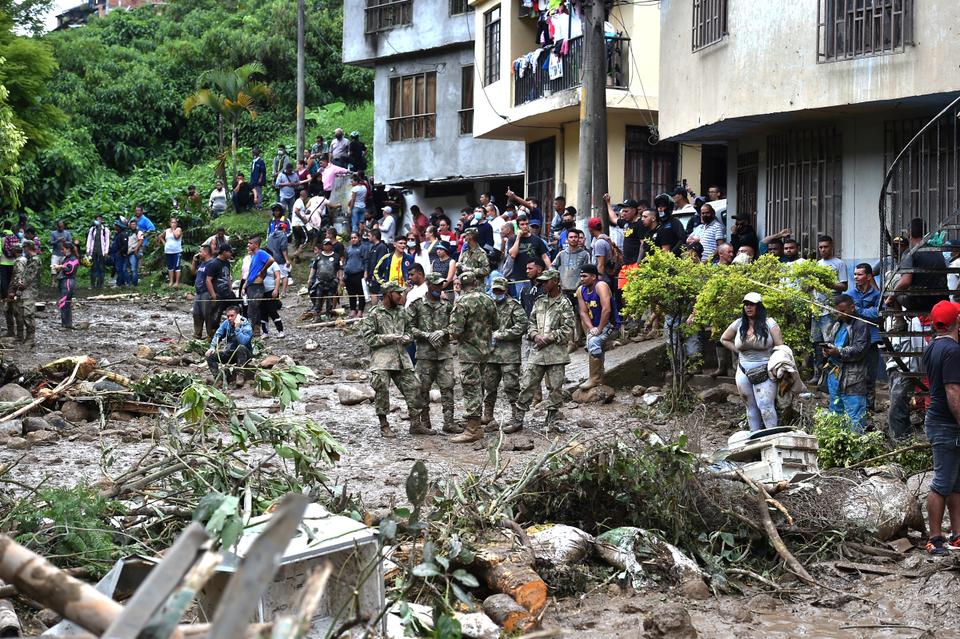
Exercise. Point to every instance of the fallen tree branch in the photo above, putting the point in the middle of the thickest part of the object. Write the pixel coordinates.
(773, 535)
(333, 323)
(893, 453)
(521, 535)
(54, 394)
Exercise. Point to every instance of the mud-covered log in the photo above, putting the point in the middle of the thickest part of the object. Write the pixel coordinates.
(509, 572)
(40, 580)
(507, 613)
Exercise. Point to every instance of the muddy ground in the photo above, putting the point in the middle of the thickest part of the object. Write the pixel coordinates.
(856, 607)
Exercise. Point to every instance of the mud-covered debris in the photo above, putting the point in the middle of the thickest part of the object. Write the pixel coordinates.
(601, 394)
(13, 393)
(560, 544)
(33, 424)
(75, 412)
(644, 556)
(42, 438)
(669, 621)
(352, 394)
(638, 390)
(714, 395)
(477, 625)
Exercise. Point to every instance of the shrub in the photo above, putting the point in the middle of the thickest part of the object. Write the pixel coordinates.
(840, 447)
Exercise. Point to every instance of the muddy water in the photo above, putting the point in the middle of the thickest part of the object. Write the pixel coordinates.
(377, 468)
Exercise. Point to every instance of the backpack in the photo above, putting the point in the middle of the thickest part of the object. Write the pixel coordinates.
(615, 261)
(325, 271)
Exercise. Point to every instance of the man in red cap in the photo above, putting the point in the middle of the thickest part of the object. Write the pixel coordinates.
(605, 254)
(941, 360)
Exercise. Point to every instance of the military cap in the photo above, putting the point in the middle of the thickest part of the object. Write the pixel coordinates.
(470, 230)
(436, 278)
(468, 277)
(499, 284)
(549, 274)
(391, 287)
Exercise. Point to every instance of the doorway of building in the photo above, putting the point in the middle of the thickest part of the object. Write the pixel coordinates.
(713, 168)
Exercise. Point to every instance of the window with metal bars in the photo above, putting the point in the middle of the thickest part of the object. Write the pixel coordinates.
(387, 14)
(466, 100)
(748, 172)
(491, 46)
(541, 170)
(413, 107)
(804, 184)
(648, 169)
(848, 29)
(459, 7)
(925, 183)
(709, 22)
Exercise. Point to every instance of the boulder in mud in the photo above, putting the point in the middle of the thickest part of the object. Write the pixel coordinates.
(353, 394)
(144, 352)
(17, 443)
(477, 625)
(33, 424)
(714, 395)
(42, 438)
(669, 621)
(559, 544)
(882, 503)
(13, 393)
(637, 551)
(75, 412)
(601, 394)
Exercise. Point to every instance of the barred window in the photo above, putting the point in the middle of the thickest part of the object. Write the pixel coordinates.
(387, 14)
(413, 106)
(491, 46)
(466, 100)
(709, 22)
(459, 7)
(848, 29)
(804, 183)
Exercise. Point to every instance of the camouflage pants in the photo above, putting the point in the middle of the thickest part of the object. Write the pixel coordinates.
(23, 315)
(405, 380)
(531, 384)
(439, 372)
(493, 374)
(471, 380)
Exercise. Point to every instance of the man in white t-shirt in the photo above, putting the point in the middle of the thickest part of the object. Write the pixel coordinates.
(298, 222)
(497, 223)
(820, 324)
(387, 226)
(358, 203)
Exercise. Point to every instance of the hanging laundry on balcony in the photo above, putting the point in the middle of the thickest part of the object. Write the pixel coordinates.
(555, 68)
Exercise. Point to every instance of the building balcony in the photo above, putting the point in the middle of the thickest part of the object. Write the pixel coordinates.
(541, 79)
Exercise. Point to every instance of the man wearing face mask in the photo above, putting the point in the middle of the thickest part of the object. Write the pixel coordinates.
(340, 149)
(633, 228)
(473, 258)
(429, 319)
(484, 230)
(709, 232)
(98, 242)
(503, 364)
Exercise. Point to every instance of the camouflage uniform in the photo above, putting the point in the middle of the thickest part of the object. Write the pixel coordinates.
(472, 323)
(504, 363)
(551, 317)
(25, 282)
(434, 365)
(387, 332)
(474, 260)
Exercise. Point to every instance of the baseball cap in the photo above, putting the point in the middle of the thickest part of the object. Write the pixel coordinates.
(535, 222)
(594, 224)
(328, 241)
(944, 314)
(391, 287)
(753, 298)
(387, 209)
(499, 284)
(589, 268)
(679, 191)
(442, 244)
(471, 230)
(549, 274)
(630, 204)
(467, 277)
(435, 278)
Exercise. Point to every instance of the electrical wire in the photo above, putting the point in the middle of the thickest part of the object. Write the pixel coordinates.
(654, 128)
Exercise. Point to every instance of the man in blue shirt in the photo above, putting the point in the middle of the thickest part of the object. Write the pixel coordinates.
(258, 177)
(866, 297)
(253, 286)
(231, 346)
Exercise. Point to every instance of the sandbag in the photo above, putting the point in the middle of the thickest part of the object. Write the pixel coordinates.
(560, 544)
(629, 549)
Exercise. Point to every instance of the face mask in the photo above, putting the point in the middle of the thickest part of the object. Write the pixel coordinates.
(411, 244)
(20, 235)
(499, 297)
(436, 294)
(339, 136)
(478, 216)
(96, 222)
(569, 225)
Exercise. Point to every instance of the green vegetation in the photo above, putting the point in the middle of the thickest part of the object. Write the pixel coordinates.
(92, 120)
(840, 447)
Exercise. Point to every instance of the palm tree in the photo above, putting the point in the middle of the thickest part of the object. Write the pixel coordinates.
(230, 94)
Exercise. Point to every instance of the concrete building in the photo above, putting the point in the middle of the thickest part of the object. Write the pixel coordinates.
(813, 101)
(424, 78)
(533, 94)
(79, 15)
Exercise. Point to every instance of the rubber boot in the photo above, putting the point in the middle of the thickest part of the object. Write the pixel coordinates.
(19, 333)
(723, 358)
(516, 421)
(385, 430)
(596, 373)
(537, 397)
(551, 423)
(449, 426)
(472, 433)
(11, 329)
(31, 338)
(198, 323)
(420, 423)
(487, 413)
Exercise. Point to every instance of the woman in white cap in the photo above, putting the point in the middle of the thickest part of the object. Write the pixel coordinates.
(753, 337)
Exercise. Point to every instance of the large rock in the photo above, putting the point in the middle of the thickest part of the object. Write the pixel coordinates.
(477, 625)
(601, 394)
(145, 352)
(669, 621)
(883, 504)
(559, 544)
(352, 394)
(13, 393)
(714, 395)
(42, 438)
(75, 412)
(17, 443)
(33, 424)
(57, 422)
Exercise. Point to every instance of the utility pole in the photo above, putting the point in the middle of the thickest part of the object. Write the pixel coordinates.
(592, 180)
(301, 84)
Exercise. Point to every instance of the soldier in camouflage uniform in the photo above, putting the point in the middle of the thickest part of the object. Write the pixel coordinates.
(504, 363)
(24, 284)
(551, 327)
(473, 259)
(429, 319)
(386, 329)
(472, 323)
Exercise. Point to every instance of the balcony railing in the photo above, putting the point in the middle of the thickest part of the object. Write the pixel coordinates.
(536, 82)
(848, 29)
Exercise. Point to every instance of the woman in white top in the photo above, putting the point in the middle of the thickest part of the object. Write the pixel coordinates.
(218, 200)
(753, 337)
(172, 239)
(358, 202)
